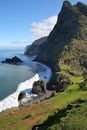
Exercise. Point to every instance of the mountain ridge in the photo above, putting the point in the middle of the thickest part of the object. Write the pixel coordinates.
(67, 109)
(34, 47)
(67, 42)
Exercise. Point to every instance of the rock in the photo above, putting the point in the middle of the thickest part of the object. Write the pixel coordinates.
(82, 8)
(13, 60)
(53, 94)
(39, 87)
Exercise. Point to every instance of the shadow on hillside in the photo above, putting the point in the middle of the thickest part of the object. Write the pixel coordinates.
(54, 119)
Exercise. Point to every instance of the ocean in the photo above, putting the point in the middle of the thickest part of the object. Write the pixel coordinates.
(17, 78)
(12, 75)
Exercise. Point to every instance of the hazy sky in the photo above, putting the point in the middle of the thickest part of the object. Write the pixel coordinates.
(22, 21)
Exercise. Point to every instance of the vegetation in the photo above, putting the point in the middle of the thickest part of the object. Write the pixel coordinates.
(72, 117)
(46, 112)
(65, 52)
(39, 87)
(83, 85)
(20, 97)
(66, 47)
(73, 59)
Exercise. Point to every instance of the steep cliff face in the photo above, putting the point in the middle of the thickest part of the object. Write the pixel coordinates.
(71, 24)
(33, 49)
(82, 8)
(65, 49)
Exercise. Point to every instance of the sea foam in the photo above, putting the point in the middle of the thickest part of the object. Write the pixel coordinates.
(12, 100)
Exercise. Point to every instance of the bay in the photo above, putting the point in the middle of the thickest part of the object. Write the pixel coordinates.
(12, 75)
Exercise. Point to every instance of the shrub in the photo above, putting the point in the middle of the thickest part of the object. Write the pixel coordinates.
(83, 85)
(20, 97)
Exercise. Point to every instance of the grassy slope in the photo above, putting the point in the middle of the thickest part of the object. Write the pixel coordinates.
(73, 117)
(24, 119)
(72, 58)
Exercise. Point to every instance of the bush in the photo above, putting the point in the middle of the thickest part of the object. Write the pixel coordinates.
(21, 96)
(83, 85)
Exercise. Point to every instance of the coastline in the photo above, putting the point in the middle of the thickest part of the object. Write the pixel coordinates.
(26, 86)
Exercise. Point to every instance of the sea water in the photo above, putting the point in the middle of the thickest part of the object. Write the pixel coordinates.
(12, 75)
(17, 78)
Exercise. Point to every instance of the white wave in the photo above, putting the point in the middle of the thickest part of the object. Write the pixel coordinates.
(12, 100)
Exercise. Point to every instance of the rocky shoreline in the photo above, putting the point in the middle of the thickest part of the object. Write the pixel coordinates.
(36, 98)
(39, 98)
(26, 86)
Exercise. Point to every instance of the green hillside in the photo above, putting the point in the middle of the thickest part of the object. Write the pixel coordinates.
(66, 110)
(66, 45)
(65, 51)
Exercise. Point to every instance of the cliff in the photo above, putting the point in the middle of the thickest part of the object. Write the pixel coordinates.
(71, 24)
(66, 46)
(65, 50)
(33, 49)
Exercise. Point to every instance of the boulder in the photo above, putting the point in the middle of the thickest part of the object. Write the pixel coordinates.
(39, 87)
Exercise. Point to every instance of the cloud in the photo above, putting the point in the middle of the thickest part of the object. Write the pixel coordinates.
(42, 28)
(38, 30)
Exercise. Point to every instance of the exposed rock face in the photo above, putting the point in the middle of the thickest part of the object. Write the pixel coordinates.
(39, 87)
(71, 23)
(13, 60)
(34, 48)
(82, 8)
(66, 46)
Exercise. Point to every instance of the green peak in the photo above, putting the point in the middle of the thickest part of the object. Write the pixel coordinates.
(80, 4)
(66, 6)
(82, 8)
(66, 3)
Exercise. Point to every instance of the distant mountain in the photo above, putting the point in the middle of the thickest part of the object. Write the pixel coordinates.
(65, 49)
(34, 47)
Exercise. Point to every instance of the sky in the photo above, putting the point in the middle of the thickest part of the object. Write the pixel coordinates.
(23, 21)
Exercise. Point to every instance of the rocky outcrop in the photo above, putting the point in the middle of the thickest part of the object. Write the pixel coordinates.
(82, 8)
(13, 60)
(39, 87)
